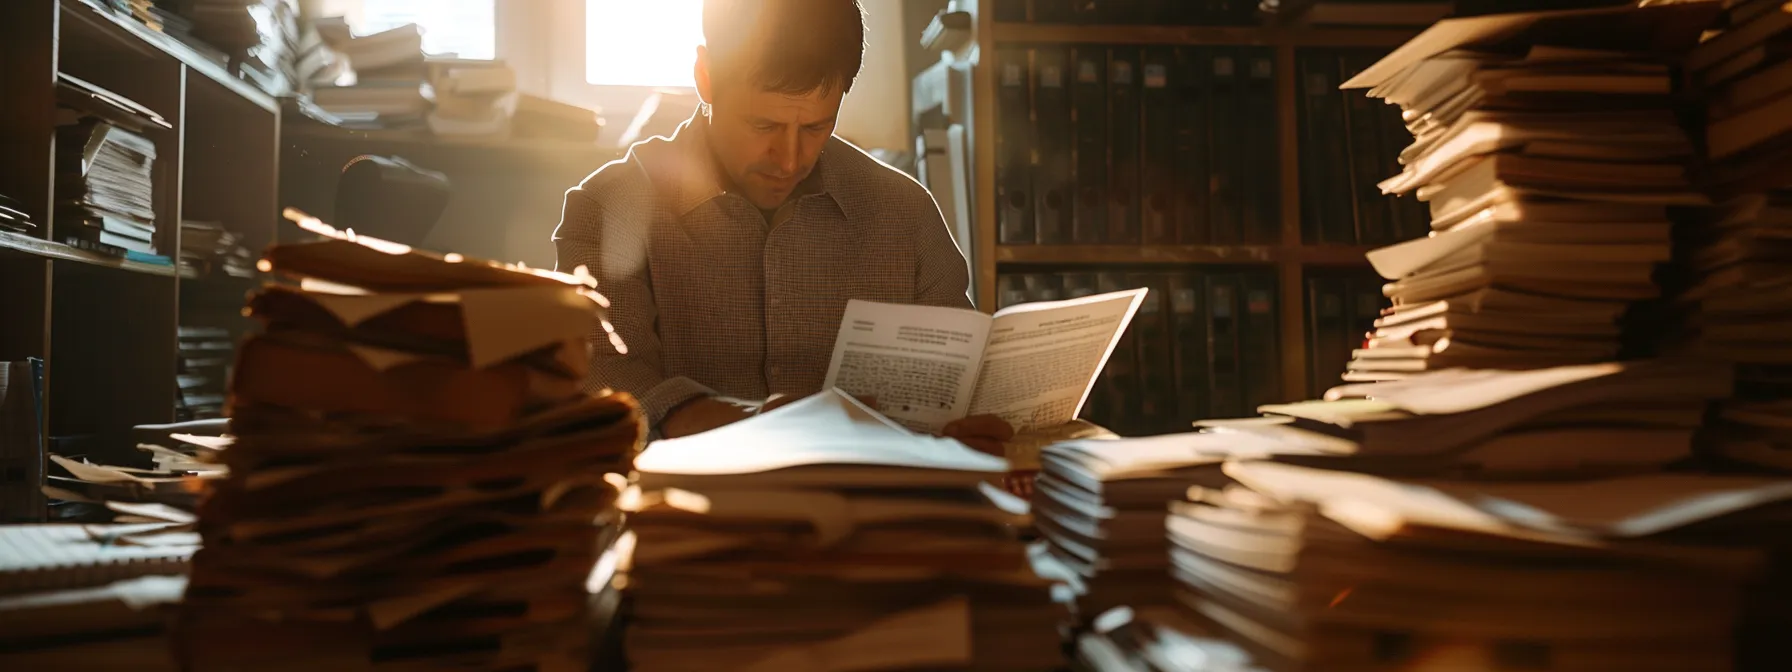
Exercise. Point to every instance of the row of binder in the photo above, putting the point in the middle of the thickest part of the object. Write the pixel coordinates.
(1153, 12)
(1349, 143)
(1203, 345)
(1129, 145)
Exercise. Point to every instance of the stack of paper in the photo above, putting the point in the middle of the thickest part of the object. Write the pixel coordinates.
(1586, 419)
(1744, 77)
(473, 98)
(1548, 147)
(208, 247)
(416, 477)
(105, 186)
(390, 79)
(1739, 279)
(1100, 507)
(1326, 570)
(823, 531)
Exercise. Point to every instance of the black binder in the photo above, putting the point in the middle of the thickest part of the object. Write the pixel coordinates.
(1053, 175)
(1157, 203)
(1123, 146)
(1154, 336)
(1014, 149)
(1262, 187)
(1192, 145)
(1089, 96)
(1325, 213)
(1225, 150)
(1328, 332)
(1188, 321)
(1259, 341)
(1224, 322)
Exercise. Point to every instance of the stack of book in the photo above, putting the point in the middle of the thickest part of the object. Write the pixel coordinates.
(1313, 569)
(202, 370)
(1737, 299)
(417, 478)
(256, 37)
(105, 177)
(1099, 504)
(824, 531)
(473, 98)
(1549, 160)
(388, 89)
(208, 247)
(13, 216)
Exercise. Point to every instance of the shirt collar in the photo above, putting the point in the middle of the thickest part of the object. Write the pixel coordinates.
(699, 182)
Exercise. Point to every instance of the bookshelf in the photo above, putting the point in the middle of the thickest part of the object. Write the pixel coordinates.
(107, 328)
(1290, 257)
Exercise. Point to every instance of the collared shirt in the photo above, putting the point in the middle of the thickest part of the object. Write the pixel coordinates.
(712, 298)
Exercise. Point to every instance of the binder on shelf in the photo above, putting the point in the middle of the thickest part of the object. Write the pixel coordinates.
(1224, 219)
(1154, 336)
(1326, 203)
(1053, 174)
(1188, 323)
(1012, 11)
(1261, 158)
(1123, 145)
(1089, 97)
(1158, 181)
(1328, 332)
(1260, 354)
(1014, 150)
(1192, 145)
(1225, 386)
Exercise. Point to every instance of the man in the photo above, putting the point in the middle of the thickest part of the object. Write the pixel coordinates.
(729, 251)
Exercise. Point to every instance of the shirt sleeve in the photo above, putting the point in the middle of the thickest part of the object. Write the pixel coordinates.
(942, 276)
(614, 250)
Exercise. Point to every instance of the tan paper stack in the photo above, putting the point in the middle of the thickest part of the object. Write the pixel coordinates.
(1738, 297)
(1548, 149)
(473, 98)
(1314, 569)
(417, 480)
(823, 531)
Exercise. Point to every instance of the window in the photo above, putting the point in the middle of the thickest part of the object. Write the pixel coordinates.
(634, 43)
(463, 28)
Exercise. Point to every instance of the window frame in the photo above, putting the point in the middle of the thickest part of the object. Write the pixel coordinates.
(544, 40)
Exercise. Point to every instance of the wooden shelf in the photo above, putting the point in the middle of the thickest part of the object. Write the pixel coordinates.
(1315, 255)
(17, 242)
(123, 34)
(1044, 33)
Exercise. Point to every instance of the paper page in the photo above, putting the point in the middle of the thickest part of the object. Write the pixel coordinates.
(919, 362)
(1042, 358)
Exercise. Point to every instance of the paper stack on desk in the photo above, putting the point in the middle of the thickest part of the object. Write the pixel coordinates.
(417, 479)
(823, 531)
(1100, 506)
(1312, 569)
(1549, 149)
(1739, 254)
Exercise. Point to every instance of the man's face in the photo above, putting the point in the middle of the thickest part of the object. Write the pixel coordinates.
(768, 142)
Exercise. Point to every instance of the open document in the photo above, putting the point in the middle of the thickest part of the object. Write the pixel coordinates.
(1032, 364)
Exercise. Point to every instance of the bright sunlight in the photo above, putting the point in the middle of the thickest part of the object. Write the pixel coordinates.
(635, 43)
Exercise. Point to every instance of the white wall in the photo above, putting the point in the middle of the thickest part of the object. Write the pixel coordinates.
(876, 115)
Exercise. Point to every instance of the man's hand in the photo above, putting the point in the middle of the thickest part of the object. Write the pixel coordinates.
(701, 415)
(984, 433)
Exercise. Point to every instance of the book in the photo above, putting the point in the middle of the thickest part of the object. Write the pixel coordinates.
(1032, 364)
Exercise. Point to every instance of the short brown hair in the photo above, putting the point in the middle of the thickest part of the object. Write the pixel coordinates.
(786, 46)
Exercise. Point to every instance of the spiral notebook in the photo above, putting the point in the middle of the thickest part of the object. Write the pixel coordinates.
(61, 557)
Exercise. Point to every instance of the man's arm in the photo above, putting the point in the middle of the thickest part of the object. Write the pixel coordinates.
(942, 276)
(612, 246)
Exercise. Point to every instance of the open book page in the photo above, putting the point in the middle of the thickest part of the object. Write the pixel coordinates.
(1042, 358)
(919, 362)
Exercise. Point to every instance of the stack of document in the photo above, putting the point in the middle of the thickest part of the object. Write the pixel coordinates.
(1744, 75)
(473, 98)
(1586, 420)
(416, 478)
(1548, 147)
(1739, 284)
(1312, 569)
(1100, 505)
(824, 531)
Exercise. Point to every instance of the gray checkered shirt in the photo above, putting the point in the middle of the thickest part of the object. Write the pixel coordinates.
(712, 299)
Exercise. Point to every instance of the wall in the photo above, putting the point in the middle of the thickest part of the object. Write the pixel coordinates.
(876, 114)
